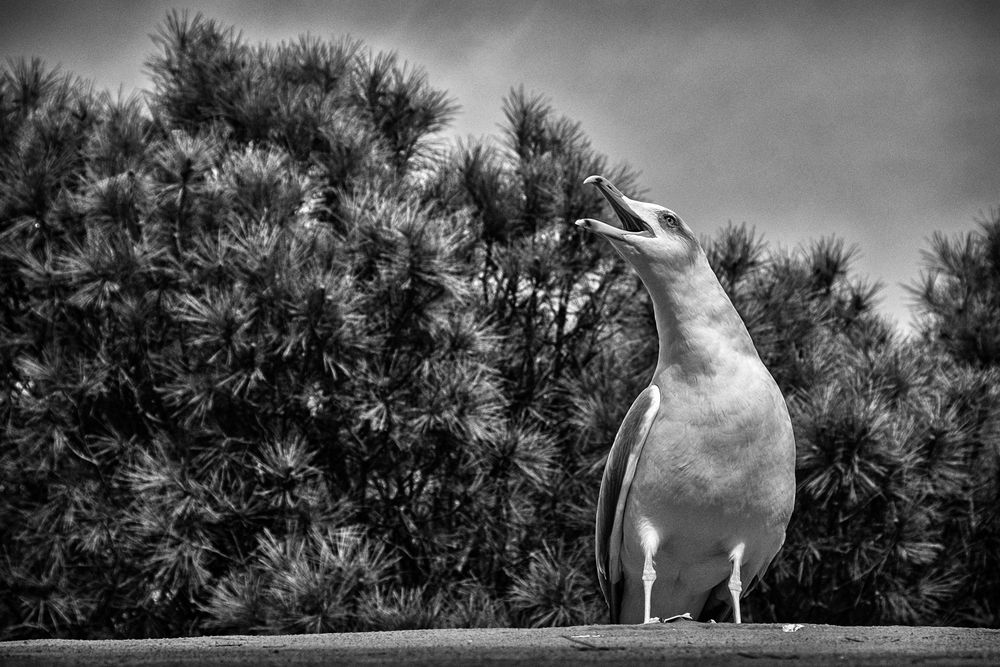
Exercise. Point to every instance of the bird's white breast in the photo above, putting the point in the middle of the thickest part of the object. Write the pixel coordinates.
(717, 469)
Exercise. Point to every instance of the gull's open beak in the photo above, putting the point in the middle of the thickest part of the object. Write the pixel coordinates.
(630, 222)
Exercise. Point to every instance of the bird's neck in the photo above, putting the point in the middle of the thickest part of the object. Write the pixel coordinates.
(699, 330)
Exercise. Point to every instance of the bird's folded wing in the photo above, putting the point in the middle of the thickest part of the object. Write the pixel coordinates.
(757, 576)
(618, 473)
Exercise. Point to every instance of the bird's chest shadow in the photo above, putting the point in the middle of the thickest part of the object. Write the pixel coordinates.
(694, 479)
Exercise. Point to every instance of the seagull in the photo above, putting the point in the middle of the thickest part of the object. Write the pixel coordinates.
(699, 484)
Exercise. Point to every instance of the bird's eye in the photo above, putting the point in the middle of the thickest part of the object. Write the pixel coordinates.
(668, 219)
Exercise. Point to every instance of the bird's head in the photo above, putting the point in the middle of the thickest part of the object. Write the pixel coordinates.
(694, 316)
(649, 236)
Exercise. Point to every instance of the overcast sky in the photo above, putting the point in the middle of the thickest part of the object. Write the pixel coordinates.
(875, 122)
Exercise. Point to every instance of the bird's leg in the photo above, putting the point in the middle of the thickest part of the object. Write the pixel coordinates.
(649, 540)
(735, 585)
(648, 577)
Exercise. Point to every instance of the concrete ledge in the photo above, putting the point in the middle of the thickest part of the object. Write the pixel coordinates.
(683, 642)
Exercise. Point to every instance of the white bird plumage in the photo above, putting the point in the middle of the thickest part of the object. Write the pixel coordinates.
(700, 481)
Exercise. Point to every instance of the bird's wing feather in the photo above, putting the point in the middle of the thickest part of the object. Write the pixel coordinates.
(757, 576)
(618, 473)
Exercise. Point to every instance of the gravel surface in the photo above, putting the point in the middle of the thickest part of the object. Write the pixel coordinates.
(684, 642)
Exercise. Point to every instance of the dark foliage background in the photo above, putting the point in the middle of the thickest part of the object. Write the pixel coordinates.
(274, 360)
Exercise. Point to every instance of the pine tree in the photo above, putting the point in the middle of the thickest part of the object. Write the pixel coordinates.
(560, 303)
(232, 335)
(958, 299)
